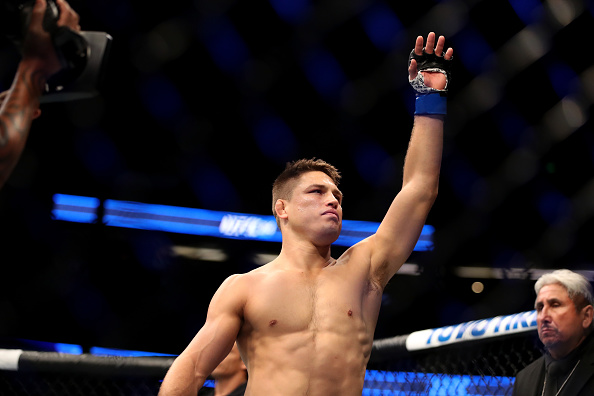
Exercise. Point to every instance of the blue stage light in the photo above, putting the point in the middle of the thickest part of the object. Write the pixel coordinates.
(75, 208)
(194, 221)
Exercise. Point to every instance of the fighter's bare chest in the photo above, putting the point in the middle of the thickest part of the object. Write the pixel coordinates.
(300, 302)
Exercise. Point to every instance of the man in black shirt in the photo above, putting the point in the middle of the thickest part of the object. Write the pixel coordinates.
(564, 306)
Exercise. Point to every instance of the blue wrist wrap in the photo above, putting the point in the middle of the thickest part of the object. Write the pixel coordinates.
(432, 103)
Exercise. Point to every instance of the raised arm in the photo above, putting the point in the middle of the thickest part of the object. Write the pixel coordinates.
(400, 229)
(20, 104)
(211, 344)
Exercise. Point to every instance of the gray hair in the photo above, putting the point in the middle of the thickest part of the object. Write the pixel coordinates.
(576, 285)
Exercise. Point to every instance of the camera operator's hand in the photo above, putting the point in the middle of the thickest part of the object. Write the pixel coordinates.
(38, 50)
(20, 104)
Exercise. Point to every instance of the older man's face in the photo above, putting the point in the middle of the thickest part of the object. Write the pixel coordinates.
(560, 326)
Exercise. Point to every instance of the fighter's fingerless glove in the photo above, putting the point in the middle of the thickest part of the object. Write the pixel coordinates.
(430, 100)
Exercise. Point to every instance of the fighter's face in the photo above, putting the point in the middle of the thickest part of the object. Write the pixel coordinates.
(316, 206)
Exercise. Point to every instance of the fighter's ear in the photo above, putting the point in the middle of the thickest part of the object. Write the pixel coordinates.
(280, 207)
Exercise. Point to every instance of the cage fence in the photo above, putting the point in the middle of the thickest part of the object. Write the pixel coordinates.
(479, 358)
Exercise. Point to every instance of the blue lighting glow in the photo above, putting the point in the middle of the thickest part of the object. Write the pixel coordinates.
(472, 49)
(512, 126)
(291, 11)
(324, 73)
(275, 139)
(382, 26)
(99, 351)
(161, 97)
(553, 205)
(99, 154)
(193, 221)
(221, 192)
(189, 221)
(462, 177)
(71, 349)
(224, 43)
(75, 208)
(527, 10)
(562, 77)
(370, 159)
(407, 383)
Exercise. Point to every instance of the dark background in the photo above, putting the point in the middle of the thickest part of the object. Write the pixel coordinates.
(204, 102)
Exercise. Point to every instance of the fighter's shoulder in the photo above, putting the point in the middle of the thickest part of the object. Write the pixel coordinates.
(233, 290)
(245, 279)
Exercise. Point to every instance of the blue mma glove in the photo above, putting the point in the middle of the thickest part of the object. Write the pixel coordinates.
(430, 100)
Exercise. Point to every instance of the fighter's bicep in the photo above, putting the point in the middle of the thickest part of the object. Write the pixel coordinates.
(229, 299)
(223, 322)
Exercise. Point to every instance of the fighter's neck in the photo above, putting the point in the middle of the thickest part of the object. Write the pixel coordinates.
(304, 256)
